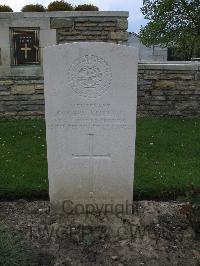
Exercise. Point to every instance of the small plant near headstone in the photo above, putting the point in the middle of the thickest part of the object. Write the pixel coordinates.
(192, 208)
(88, 240)
(33, 8)
(86, 7)
(60, 6)
(5, 8)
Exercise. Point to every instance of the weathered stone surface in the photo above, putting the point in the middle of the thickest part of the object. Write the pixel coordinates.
(151, 76)
(6, 82)
(7, 98)
(72, 38)
(2, 109)
(108, 24)
(90, 122)
(119, 36)
(4, 92)
(88, 33)
(91, 29)
(197, 76)
(157, 92)
(39, 87)
(158, 98)
(109, 28)
(27, 81)
(30, 113)
(3, 88)
(96, 19)
(164, 84)
(143, 81)
(23, 89)
(86, 24)
(57, 23)
(65, 33)
(122, 24)
(97, 38)
(178, 76)
(37, 97)
(8, 114)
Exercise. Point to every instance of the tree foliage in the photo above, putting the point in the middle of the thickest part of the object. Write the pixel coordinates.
(86, 7)
(60, 6)
(172, 23)
(5, 8)
(33, 8)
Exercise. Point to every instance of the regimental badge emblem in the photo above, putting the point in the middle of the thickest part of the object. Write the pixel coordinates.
(90, 76)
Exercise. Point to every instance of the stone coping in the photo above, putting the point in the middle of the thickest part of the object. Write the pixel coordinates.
(62, 14)
(17, 77)
(169, 65)
(181, 66)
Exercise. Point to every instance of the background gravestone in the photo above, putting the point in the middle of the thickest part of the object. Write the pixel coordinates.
(90, 101)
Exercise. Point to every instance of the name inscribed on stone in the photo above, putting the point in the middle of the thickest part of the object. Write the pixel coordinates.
(92, 115)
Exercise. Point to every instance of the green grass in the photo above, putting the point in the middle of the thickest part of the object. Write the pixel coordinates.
(167, 157)
(23, 163)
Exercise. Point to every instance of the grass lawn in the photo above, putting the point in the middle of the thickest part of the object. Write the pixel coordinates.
(23, 163)
(167, 157)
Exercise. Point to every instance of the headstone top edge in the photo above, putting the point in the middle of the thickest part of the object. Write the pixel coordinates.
(87, 44)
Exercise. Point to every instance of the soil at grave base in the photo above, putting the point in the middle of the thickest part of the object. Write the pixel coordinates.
(155, 234)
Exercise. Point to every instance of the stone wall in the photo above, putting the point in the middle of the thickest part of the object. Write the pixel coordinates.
(58, 27)
(163, 89)
(169, 89)
(108, 28)
(21, 96)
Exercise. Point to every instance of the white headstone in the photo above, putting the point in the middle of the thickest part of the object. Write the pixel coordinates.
(90, 101)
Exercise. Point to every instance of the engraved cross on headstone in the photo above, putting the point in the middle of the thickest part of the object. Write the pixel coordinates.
(26, 49)
(91, 157)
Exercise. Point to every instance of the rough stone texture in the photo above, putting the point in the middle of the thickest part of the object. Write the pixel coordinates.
(21, 97)
(91, 28)
(57, 23)
(119, 36)
(23, 89)
(169, 89)
(90, 122)
(163, 89)
(122, 24)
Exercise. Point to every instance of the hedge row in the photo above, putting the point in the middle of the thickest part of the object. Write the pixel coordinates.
(53, 6)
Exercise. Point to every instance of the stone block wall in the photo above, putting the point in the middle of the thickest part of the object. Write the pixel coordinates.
(21, 97)
(163, 90)
(108, 28)
(169, 89)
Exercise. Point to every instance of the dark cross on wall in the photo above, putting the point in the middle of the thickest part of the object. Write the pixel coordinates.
(25, 47)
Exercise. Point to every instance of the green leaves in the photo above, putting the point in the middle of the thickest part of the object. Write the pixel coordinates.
(172, 23)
